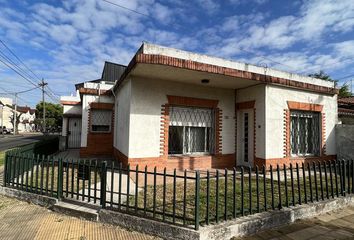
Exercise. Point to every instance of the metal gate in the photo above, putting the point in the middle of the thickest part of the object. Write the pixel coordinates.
(74, 133)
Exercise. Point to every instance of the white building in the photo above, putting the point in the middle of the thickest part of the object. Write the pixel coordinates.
(6, 112)
(177, 109)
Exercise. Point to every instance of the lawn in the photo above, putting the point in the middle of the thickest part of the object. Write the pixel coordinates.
(224, 201)
(42, 178)
(2, 158)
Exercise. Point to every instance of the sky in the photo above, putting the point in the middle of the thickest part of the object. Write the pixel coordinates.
(66, 42)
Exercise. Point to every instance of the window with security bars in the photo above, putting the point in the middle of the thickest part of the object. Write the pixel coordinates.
(101, 120)
(191, 130)
(305, 133)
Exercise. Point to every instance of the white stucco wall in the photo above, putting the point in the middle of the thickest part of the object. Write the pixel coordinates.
(256, 93)
(276, 102)
(122, 118)
(64, 129)
(147, 96)
(72, 109)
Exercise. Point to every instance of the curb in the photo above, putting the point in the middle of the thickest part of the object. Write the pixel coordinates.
(225, 230)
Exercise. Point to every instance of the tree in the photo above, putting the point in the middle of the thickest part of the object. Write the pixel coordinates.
(18, 116)
(53, 114)
(343, 90)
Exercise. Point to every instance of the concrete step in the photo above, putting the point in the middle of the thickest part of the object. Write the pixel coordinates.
(77, 209)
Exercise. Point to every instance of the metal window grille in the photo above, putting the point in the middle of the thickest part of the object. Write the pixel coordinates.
(101, 120)
(191, 130)
(305, 133)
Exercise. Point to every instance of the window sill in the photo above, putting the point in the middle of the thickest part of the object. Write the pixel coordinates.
(174, 156)
(94, 132)
(303, 157)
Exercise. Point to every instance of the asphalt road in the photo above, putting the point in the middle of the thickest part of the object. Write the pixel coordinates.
(9, 141)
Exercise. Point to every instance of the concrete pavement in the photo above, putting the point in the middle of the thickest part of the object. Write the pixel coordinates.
(334, 225)
(20, 220)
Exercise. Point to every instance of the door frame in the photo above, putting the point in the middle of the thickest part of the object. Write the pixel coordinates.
(68, 132)
(241, 108)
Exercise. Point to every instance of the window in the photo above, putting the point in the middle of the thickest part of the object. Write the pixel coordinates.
(191, 130)
(305, 133)
(101, 120)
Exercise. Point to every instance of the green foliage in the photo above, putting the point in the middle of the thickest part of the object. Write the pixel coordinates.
(343, 90)
(54, 114)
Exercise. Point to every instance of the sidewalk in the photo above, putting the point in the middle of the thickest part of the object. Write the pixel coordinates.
(20, 220)
(335, 225)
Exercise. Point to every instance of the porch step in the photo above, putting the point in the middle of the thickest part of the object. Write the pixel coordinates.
(77, 209)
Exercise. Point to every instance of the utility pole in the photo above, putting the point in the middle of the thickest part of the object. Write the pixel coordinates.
(15, 115)
(42, 85)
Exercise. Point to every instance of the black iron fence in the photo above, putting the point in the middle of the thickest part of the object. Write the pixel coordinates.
(188, 198)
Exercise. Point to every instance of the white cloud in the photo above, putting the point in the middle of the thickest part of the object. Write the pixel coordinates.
(210, 6)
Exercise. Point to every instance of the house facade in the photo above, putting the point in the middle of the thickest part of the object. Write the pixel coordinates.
(26, 115)
(346, 110)
(26, 120)
(177, 109)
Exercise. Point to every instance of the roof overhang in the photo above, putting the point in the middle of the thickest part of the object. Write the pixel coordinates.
(190, 71)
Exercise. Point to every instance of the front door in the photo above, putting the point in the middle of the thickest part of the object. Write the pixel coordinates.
(74, 133)
(245, 137)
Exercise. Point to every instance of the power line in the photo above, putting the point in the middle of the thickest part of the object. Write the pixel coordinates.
(24, 91)
(19, 59)
(129, 9)
(11, 62)
(18, 72)
(132, 10)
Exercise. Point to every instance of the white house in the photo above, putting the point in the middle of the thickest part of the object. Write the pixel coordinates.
(177, 109)
(6, 112)
(27, 117)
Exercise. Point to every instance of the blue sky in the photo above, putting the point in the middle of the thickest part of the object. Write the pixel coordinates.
(67, 41)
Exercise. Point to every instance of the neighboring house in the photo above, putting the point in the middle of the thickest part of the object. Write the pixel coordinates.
(177, 109)
(346, 110)
(87, 116)
(27, 117)
(6, 112)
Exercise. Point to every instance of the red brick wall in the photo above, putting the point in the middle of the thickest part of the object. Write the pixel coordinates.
(99, 144)
(180, 163)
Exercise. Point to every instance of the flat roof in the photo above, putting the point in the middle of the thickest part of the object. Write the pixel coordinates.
(148, 48)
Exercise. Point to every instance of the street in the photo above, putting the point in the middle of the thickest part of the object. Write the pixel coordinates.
(10, 141)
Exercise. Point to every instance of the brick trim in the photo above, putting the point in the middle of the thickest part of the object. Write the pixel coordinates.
(98, 143)
(249, 105)
(189, 102)
(164, 125)
(323, 134)
(305, 106)
(192, 102)
(91, 91)
(218, 129)
(245, 105)
(203, 67)
(199, 162)
(286, 134)
(293, 160)
(100, 105)
(70, 103)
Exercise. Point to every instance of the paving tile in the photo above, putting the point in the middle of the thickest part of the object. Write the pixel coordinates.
(24, 221)
(308, 233)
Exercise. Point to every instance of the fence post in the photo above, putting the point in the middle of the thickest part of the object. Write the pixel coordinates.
(60, 178)
(197, 199)
(5, 169)
(103, 183)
